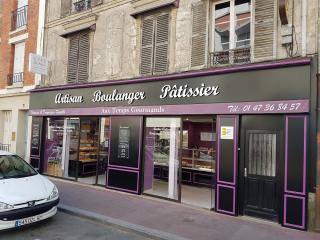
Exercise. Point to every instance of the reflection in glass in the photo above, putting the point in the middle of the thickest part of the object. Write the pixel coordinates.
(162, 141)
(222, 27)
(104, 150)
(242, 18)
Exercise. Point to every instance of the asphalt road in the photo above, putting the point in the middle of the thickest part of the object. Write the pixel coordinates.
(68, 227)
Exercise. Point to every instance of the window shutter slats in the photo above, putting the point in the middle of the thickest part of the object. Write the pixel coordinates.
(199, 30)
(73, 59)
(78, 58)
(65, 7)
(147, 40)
(161, 44)
(83, 61)
(264, 29)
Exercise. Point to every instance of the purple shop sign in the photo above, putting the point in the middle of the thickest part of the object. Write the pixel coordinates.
(266, 107)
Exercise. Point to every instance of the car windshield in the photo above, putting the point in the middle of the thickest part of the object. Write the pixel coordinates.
(12, 166)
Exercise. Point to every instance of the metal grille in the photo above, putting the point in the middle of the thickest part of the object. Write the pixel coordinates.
(4, 147)
(82, 5)
(262, 154)
(15, 78)
(19, 18)
(233, 56)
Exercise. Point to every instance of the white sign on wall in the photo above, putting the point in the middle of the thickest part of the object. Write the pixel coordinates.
(226, 132)
(38, 64)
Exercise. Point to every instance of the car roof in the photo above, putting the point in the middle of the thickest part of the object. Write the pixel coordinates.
(4, 153)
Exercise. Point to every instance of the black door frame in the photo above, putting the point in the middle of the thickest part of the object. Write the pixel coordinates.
(279, 168)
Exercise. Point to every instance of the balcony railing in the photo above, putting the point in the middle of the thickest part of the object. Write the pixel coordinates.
(232, 56)
(4, 147)
(19, 18)
(82, 5)
(16, 78)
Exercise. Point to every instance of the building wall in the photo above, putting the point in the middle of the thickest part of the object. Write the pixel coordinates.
(115, 44)
(17, 104)
(7, 49)
(15, 99)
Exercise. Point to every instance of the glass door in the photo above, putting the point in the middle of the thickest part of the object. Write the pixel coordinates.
(162, 154)
(54, 156)
(71, 147)
(88, 150)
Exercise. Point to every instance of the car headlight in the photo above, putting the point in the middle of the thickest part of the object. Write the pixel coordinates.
(54, 194)
(5, 207)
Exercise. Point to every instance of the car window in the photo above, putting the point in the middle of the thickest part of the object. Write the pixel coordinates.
(12, 166)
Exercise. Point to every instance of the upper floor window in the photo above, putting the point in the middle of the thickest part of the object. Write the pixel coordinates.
(81, 5)
(78, 58)
(155, 44)
(74, 6)
(231, 32)
(17, 76)
(20, 16)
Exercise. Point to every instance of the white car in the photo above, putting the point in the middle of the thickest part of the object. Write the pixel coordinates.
(25, 196)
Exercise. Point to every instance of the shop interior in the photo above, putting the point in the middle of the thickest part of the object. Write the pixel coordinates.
(74, 150)
(166, 148)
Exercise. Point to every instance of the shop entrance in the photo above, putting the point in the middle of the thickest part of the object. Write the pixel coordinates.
(261, 160)
(179, 159)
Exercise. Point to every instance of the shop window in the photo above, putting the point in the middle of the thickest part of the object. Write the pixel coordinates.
(78, 58)
(231, 40)
(155, 44)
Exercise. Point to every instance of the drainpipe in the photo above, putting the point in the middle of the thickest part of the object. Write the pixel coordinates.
(40, 35)
(317, 204)
(304, 28)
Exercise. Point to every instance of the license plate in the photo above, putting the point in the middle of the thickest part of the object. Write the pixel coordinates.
(28, 220)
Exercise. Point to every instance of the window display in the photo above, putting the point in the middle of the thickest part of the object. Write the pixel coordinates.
(88, 149)
(53, 156)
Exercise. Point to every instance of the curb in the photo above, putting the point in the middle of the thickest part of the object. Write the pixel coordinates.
(148, 232)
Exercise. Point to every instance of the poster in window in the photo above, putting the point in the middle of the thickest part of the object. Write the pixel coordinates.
(36, 136)
(227, 132)
(124, 141)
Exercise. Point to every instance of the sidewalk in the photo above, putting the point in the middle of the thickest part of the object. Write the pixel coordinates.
(164, 219)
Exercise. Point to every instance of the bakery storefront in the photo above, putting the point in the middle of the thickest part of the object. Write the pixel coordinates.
(237, 140)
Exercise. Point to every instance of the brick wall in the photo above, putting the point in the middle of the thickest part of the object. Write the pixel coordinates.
(7, 50)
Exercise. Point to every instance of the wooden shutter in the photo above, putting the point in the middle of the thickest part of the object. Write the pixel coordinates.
(65, 7)
(83, 58)
(147, 45)
(161, 44)
(96, 2)
(199, 34)
(73, 59)
(264, 29)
